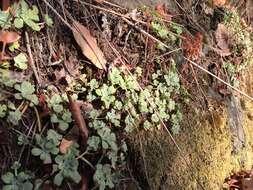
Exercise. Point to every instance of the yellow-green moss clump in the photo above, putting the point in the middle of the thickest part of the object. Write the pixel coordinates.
(206, 145)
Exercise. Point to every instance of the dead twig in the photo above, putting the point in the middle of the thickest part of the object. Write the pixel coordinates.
(31, 60)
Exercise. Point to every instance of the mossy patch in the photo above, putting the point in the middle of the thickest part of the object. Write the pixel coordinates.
(206, 157)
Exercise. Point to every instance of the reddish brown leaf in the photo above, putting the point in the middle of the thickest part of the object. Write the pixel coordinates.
(88, 44)
(65, 145)
(9, 37)
(78, 118)
(193, 46)
(5, 5)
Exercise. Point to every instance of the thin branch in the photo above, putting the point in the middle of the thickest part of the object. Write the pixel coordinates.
(31, 60)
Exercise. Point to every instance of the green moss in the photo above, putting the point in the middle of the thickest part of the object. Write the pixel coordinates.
(207, 148)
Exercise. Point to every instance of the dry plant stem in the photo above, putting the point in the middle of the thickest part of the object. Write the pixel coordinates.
(123, 16)
(224, 82)
(31, 60)
(60, 17)
(38, 118)
(114, 5)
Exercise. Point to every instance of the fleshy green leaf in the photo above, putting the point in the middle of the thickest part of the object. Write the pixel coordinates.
(21, 61)
(48, 20)
(14, 117)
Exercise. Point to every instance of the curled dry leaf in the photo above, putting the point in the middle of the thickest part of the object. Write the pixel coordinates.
(65, 145)
(222, 38)
(88, 44)
(9, 37)
(219, 3)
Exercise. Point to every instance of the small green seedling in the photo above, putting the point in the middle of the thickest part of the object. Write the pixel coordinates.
(48, 20)
(103, 176)
(26, 90)
(60, 115)
(67, 166)
(17, 180)
(14, 117)
(47, 145)
(25, 15)
(21, 61)
(3, 110)
(107, 94)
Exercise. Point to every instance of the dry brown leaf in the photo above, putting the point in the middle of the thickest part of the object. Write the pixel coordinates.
(65, 145)
(88, 44)
(5, 5)
(59, 74)
(222, 38)
(9, 37)
(219, 3)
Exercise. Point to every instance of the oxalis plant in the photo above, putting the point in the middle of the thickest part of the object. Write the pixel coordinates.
(60, 115)
(125, 106)
(24, 16)
(17, 180)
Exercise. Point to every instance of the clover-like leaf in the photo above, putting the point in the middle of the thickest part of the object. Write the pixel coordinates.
(93, 143)
(3, 110)
(18, 23)
(14, 46)
(103, 176)
(26, 91)
(48, 20)
(14, 117)
(21, 61)
(67, 166)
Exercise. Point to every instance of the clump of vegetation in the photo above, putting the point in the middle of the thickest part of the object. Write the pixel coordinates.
(60, 115)
(120, 105)
(66, 166)
(17, 179)
(242, 44)
(142, 107)
(47, 145)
